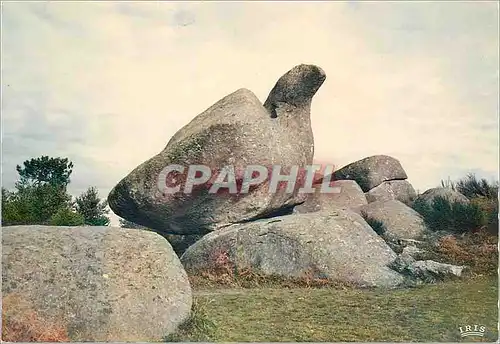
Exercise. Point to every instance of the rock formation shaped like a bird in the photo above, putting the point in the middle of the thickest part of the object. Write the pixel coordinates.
(237, 131)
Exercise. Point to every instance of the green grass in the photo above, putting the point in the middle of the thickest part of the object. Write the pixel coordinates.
(427, 313)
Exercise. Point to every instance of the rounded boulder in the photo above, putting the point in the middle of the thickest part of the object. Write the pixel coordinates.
(372, 171)
(453, 196)
(338, 245)
(94, 283)
(399, 220)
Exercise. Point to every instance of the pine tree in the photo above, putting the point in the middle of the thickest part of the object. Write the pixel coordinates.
(93, 210)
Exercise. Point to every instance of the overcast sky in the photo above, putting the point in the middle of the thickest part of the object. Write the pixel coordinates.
(107, 84)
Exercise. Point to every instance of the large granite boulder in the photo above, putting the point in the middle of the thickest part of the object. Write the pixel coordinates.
(338, 245)
(236, 131)
(96, 283)
(350, 196)
(400, 190)
(372, 171)
(399, 220)
(453, 196)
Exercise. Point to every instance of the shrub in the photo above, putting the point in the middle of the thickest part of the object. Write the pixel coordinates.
(66, 217)
(12, 213)
(492, 219)
(445, 215)
(33, 205)
(471, 187)
(92, 208)
(489, 207)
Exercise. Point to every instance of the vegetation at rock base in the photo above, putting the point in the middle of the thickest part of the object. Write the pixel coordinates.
(454, 216)
(20, 323)
(40, 197)
(446, 215)
(478, 251)
(198, 326)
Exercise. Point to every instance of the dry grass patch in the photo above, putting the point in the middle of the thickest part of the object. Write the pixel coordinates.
(478, 251)
(20, 323)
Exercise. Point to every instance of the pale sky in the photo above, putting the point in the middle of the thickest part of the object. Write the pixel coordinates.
(107, 84)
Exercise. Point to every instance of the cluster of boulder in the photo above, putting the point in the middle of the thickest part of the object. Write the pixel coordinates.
(284, 233)
(111, 284)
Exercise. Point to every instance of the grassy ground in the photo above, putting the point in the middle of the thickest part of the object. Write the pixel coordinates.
(426, 313)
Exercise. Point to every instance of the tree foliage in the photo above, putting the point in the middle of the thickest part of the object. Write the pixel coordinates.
(471, 187)
(45, 170)
(33, 204)
(41, 198)
(93, 210)
(67, 217)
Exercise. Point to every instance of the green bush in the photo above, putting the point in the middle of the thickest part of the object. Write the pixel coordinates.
(471, 187)
(450, 216)
(12, 214)
(33, 204)
(493, 219)
(92, 208)
(483, 195)
(67, 217)
(490, 208)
